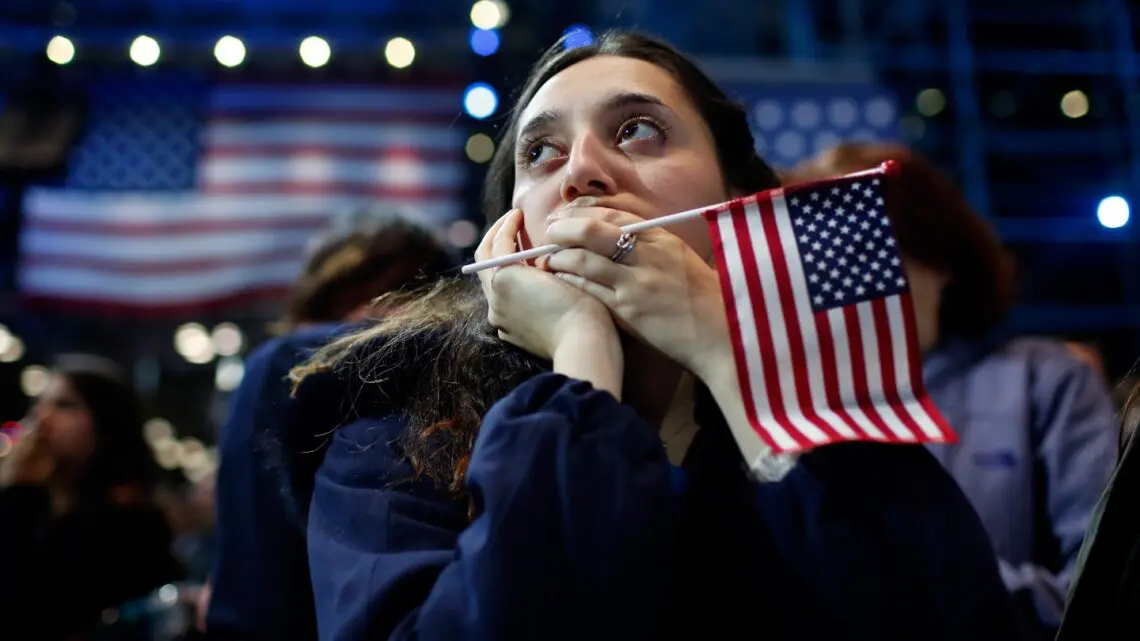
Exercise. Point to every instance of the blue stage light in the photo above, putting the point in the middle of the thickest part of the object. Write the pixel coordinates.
(480, 100)
(484, 42)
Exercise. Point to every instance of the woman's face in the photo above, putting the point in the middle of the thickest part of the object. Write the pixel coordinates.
(623, 132)
(64, 422)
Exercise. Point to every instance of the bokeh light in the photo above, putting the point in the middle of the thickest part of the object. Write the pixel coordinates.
(145, 51)
(229, 51)
(480, 100)
(60, 50)
(400, 52)
(315, 52)
(480, 148)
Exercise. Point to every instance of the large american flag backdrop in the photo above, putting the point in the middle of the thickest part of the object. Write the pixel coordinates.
(820, 314)
(184, 198)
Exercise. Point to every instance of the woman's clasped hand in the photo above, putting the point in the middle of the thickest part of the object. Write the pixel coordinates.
(661, 292)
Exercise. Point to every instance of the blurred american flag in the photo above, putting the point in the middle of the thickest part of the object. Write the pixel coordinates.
(183, 198)
(795, 118)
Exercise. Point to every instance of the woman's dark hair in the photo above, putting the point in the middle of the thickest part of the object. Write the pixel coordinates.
(468, 368)
(122, 456)
(364, 255)
(743, 170)
(937, 227)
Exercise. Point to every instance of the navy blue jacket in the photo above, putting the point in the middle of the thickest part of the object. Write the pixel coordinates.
(583, 529)
(260, 578)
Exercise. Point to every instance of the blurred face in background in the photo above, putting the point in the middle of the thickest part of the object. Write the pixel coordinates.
(64, 423)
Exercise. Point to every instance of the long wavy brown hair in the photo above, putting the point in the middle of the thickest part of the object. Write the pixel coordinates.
(464, 368)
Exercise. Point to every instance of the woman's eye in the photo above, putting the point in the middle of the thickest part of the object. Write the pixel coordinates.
(540, 153)
(638, 130)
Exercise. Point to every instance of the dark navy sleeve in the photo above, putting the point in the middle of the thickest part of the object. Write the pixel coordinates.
(884, 534)
(573, 527)
(260, 580)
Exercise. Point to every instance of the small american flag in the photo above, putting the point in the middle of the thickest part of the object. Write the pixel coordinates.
(821, 319)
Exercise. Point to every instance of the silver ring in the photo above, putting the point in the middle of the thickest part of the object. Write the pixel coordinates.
(624, 246)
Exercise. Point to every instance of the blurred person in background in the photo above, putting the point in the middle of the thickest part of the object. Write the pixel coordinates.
(1036, 426)
(1089, 354)
(364, 254)
(1120, 389)
(260, 586)
(79, 529)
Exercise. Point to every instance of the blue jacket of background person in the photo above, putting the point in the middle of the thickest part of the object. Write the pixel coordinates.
(1037, 444)
(260, 580)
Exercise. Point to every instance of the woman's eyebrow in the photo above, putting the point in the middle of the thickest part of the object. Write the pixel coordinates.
(551, 117)
(543, 120)
(629, 99)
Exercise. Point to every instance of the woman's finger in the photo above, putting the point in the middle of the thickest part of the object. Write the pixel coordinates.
(615, 217)
(587, 264)
(506, 238)
(594, 235)
(483, 251)
(606, 295)
(523, 242)
(497, 237)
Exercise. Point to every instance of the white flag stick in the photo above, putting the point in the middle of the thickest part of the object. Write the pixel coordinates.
(654, 223)
(550, 249)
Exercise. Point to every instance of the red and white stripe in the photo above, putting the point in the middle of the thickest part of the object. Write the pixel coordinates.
(813, 378)
(276, 163)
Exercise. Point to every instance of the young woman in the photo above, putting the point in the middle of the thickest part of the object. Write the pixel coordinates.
(548, 457)
(79, 529)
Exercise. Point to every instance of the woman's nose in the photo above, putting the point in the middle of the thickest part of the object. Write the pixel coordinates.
(589, 171)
